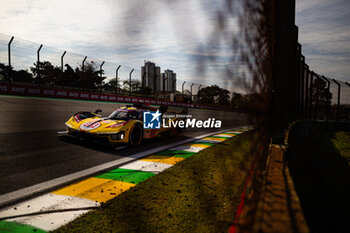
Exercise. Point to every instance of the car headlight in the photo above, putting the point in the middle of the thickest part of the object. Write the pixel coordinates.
(118, 136)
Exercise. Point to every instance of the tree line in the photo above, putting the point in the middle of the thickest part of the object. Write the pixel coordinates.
(44, 73)
(87, 77)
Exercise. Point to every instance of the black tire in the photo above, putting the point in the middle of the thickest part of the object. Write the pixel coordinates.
(175, 131)
(136, 135)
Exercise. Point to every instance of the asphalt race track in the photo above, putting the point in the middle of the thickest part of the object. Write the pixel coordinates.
(31, 152)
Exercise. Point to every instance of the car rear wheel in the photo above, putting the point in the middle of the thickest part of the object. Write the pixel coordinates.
(136, 135)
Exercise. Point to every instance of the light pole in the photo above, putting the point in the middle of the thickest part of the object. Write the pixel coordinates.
(62, 60)
(9, 54)
(130, 81)
(116, 79)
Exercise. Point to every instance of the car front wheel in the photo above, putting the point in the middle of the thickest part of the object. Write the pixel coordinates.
(136, 135)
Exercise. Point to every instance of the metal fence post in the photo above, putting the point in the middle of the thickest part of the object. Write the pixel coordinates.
(302, 87)
(62, 60)
(9, 57)
(328, 99)
(116, 79)
(338, 102)
(83, 64)
(164, 79)
(101, 68)
(101, 74)
(38, 60)
(298, 78)
(191, 92)
(307, 92)
(183, 88)
(317, 98)
(174, 87)
(311, 92)
(199, 88)
(283, 60)
(38, 53)
(130, 81)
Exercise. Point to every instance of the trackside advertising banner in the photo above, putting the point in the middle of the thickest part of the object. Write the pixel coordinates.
(36, 91)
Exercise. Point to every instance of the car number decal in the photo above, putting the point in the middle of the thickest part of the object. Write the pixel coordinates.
(90, 126)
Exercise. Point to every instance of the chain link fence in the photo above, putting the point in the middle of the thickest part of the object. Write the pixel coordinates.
(22, 56)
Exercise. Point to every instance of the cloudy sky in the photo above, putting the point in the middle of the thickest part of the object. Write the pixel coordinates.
(166, 32)
(324, 32)
(121, 32)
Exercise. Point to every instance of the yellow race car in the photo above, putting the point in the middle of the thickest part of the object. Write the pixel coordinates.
(125, 125)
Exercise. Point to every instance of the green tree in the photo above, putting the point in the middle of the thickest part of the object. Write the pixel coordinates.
(224, 97)
(238, 101)
(45, 73)
(89, 76)
(69, 77)
(135, 86)
(214, 95)
(22, 76)
(145, 91)
(5, 72)
(324, 95)
(112, 85)
(16, 75)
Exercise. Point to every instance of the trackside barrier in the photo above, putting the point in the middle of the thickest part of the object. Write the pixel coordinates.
(37, 91)
(272, 204)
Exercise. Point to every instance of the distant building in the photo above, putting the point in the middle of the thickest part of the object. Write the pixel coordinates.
(150, 76)
(168, 81)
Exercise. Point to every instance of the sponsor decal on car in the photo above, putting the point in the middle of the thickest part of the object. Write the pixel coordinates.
(90, 125)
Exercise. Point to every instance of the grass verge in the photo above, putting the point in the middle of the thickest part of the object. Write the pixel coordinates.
(200, 194)
(320, 168)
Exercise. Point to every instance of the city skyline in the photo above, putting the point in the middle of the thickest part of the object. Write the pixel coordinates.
(152, 77)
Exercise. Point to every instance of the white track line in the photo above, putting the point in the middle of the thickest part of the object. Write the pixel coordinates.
(51, 184)
(194, 149)
(224, 135)
(147, 166)
(51, 221)
(208, 141)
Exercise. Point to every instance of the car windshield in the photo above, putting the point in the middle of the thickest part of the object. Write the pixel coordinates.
(124, 115)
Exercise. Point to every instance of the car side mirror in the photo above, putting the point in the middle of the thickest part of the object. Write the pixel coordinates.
(98, 111)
